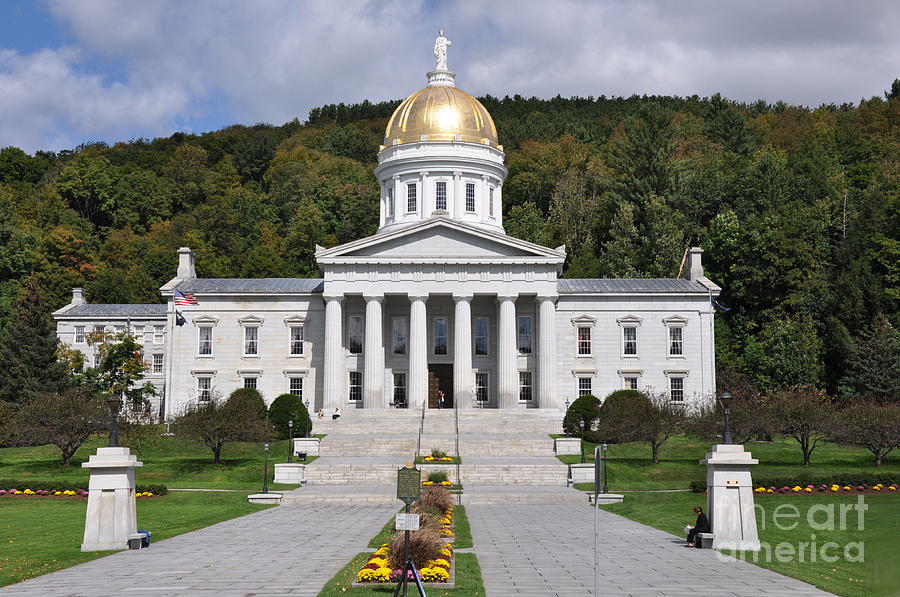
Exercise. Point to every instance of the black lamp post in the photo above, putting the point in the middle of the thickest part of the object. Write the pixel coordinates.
(266, 473)
(605, 486)
(725, 400)
(290, 441)
(115, 403)
(581, 424)
(306, 421)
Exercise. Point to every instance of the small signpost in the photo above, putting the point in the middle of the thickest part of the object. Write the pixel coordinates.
(409, 488)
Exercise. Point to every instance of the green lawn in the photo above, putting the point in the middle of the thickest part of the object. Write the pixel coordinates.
(174, 461)
(877, 575)
(40, 535)
(630, 465)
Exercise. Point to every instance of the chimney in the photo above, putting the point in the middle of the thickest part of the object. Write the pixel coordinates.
(695, 264)
(185, 264)
(78, 296)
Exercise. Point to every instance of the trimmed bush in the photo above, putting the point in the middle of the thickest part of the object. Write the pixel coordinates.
(248, 400)
(586, 408)
(288, 407)
(437, 476)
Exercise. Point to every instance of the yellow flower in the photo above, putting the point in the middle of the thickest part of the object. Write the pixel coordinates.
(429, 458)
(876, 488)
(442, 562)
(427, 483)
(795, 488)
(57, 492)
(808, 490)
(892, 488)
(382, 574)
(846, 488)
(770, 491)
(366, 575)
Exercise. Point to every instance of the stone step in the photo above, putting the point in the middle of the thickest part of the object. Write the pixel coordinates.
(521, 494)
(341, 494)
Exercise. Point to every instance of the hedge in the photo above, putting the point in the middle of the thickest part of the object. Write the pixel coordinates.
(155, 489)
(802, 480)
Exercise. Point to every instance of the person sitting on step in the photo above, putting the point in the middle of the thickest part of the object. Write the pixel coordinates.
(701, 526)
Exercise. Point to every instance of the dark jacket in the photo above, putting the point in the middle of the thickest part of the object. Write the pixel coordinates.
(702, 525)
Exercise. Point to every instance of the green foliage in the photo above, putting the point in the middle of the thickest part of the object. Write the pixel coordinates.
(437, 476)
(288, 407)
(216, 422)
(250, 401)
(585, 409)
(62, 485)
(873, 368)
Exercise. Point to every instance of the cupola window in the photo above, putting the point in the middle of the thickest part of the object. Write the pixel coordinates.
(440, 195)
(411, 197)
(470, 197)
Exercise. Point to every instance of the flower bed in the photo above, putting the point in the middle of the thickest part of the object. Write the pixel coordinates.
(14, 492)
(438, 459)
(442, 483)
(16, 488)
(827, 488)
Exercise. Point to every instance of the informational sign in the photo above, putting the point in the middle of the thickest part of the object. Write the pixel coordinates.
(407, 522)
(409, 484)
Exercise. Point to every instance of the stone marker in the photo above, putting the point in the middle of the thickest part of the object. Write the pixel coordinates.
(111, 518)
(290, 473)
(729, 500)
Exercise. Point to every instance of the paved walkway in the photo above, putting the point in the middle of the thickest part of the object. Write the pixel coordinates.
(545, 550)
(279, 551)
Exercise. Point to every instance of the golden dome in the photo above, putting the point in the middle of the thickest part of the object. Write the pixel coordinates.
(442, 113)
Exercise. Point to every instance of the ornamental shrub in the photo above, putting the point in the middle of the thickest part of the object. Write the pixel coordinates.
(586, 408)
(437, 476)
(424, 546)
(436, 497)
(288, 407)
(249, 401)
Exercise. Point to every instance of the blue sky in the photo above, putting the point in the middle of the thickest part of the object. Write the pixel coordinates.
(73, 71)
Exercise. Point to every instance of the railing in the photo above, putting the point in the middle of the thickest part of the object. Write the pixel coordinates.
(456, 420)
(421, 429)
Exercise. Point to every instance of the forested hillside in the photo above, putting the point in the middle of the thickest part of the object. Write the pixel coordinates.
(797, 210)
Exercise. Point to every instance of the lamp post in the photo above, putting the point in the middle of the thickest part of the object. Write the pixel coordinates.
(605, 486)
(290, 441)
(306, 421)
(266, 473)
(115, 403)
(581, 424)
(725, 400)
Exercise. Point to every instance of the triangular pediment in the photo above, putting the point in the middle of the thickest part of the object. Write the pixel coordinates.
(436, 241)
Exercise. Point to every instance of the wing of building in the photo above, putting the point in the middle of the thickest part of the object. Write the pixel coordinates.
(440, 302)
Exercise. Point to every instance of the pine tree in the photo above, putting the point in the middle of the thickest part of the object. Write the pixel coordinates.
(874, 362)
(28, 346)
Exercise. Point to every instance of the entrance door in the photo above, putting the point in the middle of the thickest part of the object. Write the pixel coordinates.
(440, 378)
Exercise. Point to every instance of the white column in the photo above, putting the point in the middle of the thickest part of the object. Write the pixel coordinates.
(418, 352)
(547, 352)
(373, 355)
(335, 371)
(425, 203)
(463, 379)
(508, 382)
(481, 200)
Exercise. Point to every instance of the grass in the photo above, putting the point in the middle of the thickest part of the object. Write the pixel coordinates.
(468, 580)
(41, 535)
(630, 465)
(877, 575)
(462, 533)
(174, 461)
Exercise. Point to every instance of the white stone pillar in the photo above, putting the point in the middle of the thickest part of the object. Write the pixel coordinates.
(481, 200)
(110, 520)
(373, 355)
(418, 352)
(334, 354)
(508, 382)
(547, 352)
(463, 378)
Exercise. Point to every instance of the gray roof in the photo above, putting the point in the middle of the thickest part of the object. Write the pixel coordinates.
(116, 310)
(628, 285)
(252, 285)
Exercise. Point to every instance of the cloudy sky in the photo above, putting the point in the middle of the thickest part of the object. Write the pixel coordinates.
(73, 71)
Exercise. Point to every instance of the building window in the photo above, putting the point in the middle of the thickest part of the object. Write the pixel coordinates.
(676, 341)
(631, 383)
(481, 388)
(158, 334)
(119, 329)
(398, 332)
(411, 197)
(96, 360)
(295, 387)
(204, 389)
(491, 202)
(584, 341)
(79, 334)
(400, 390)
(355, 386)
(206, 341)
(250, 383)
(356, 334)
(390, 202)
(525, 386)
(676, 389)
(296, 340)
(629, 341)
(440, 335)
(470, 197)
(148, 334)
(525, 335)
(157, 364)
(584, 386)
(440, 195)
(251, 341)
(481, 335)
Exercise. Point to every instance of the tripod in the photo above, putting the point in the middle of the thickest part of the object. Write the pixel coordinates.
(408, 566)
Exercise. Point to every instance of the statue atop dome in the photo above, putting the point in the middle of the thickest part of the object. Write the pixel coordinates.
(440, 51)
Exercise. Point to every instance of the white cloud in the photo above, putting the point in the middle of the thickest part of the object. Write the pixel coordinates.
(188, 64)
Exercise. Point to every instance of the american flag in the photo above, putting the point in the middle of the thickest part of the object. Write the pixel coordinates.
(185, 298)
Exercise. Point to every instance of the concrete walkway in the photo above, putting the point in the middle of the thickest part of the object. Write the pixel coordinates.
(545, 550)
(279, 551)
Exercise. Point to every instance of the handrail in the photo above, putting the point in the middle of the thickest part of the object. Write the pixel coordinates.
(421, 429)
(456, 417)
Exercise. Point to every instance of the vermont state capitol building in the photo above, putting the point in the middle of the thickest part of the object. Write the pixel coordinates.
(438, 301)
